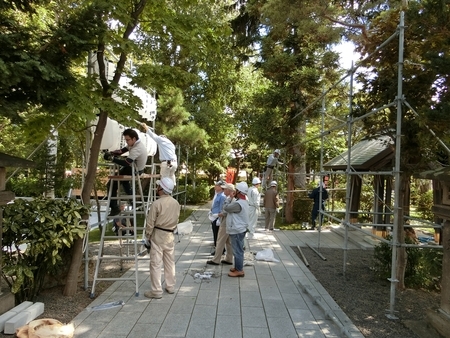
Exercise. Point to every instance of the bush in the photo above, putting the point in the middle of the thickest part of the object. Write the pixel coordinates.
(302, 207)
(26, 186)
(423, 266)
(47, 228)
(198, 195)
(424, 205)
(366, 203)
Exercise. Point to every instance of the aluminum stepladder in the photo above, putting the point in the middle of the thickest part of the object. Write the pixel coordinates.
(139, 207)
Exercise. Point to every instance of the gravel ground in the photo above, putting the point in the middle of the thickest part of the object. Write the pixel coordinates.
(364, 298)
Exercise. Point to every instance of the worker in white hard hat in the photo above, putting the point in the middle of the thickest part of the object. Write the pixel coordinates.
(162, 220)
(223, 239)
(254, 210)
(271, 204)
(271, 163)
(237, 224)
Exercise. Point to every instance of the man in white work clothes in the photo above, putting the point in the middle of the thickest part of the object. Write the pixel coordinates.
(271, 163)
(254, 210)
(167, 155)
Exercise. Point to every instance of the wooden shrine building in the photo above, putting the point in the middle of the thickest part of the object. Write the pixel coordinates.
(374, 157)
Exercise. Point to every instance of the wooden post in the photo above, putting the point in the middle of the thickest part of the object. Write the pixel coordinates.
(445, 280)
(7, 301)
(440, 318)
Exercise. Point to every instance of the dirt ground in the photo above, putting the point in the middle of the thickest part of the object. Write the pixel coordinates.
(64, 309)
(365, 298)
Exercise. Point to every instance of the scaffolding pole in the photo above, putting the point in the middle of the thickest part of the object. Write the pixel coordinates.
(398, 140)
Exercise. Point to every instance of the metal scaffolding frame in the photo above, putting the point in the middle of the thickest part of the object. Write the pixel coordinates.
(396, 172)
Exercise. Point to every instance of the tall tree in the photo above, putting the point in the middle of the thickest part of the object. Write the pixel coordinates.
(295, 55)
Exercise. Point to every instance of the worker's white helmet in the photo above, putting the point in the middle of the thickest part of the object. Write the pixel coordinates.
(256, 181)
(242, 187)
(166, 184)
(273, 183)
(277, 151)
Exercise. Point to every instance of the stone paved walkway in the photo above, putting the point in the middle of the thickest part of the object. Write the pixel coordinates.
(274, 299)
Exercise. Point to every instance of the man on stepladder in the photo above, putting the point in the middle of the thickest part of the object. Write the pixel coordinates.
(137, 154)
(162, 220)
(167, 155)
(271, 163)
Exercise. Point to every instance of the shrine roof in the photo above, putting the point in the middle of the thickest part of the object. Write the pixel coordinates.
(13, 161)
(367, 155)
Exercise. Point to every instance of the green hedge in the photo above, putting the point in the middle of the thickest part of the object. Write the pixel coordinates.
(201, 193)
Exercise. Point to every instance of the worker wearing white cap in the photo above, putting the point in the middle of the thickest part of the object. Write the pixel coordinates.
(167, 155)
(254, 199)
(271, 163)
(162, 220)
(216, 207)
(237, 224)
(223, 239)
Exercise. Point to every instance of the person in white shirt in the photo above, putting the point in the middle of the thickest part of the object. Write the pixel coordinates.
(167, 154)
(137, 157)
(271, 163)
(254, 210)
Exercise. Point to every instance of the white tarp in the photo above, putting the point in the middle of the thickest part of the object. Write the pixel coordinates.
(266, 255)
(184, 228)
(148, 110)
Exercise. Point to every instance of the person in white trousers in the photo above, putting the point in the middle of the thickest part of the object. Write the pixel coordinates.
(254, 210)
(167, 155)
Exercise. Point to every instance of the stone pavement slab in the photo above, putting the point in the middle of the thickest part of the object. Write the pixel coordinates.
(274, 299)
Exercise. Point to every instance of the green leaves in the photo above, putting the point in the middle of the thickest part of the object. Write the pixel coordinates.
(44, 229)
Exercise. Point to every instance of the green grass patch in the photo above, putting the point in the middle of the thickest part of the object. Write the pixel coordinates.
(280, 224)
(293, 226)
(94, 235)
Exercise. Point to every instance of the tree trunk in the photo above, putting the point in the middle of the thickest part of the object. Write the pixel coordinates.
(300, 158)
(77, 249)
(296, 176)
(290, 186)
